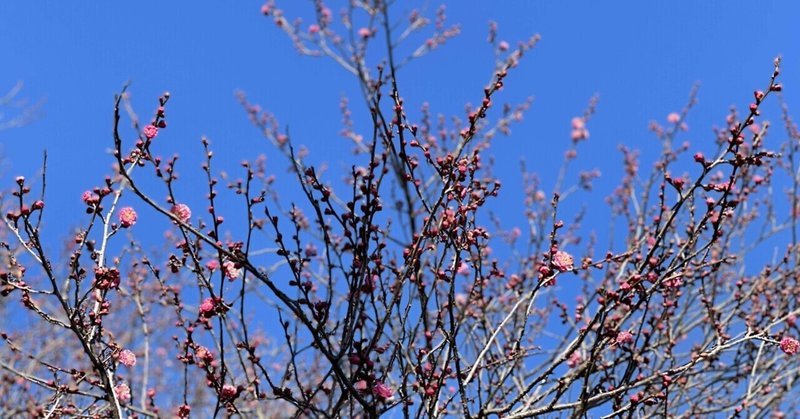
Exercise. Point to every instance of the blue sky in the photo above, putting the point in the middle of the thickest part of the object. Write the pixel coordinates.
(640, 57)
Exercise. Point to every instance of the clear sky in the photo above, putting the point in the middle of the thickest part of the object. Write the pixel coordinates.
(641, 57)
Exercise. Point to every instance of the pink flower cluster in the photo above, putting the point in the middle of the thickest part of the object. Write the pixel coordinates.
(106, 278)
(579, 131)
(228, 392)
(563, 261)
(127, 217)
(230, 269)
(182, 211)
(574, 359)
(624, 337)
(127, 358)
(382, 390)
(184, 410)
(379, 389)
(123, 393)
(463, 269)
(790, 346)
(150, 131)
(207, 307)
(673, 118)
(204, 357)
(90, 198)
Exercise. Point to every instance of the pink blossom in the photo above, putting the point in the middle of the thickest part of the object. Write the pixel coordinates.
(150, 131)
(673, 282)
(203, 353)
(127, 217)
(326, 13)
(313, 29)
(503, 46)
(311, 250)
(580, 134)
(204, 356)
(382, 390)
(184, 409)
(127, 358)
(212, 265)
(364, 32)
(463, 269)
(360, 385)
(207, 307)
(88, 197)
(574, 359)
(790, 346)
(230, 269)
(563, 261)
(123, 393)
(228, 392)
(106, 278)
(182, 211)
(579, 131)
(624, 337)
(281, 139)
(673, 118)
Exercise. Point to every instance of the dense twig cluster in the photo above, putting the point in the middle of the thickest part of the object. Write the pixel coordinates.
(384, 294)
